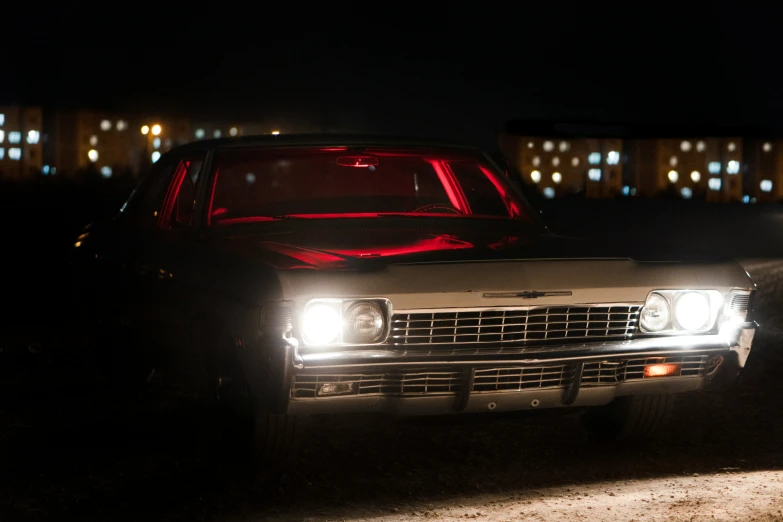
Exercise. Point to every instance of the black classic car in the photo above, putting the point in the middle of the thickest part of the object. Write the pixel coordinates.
(292, 276)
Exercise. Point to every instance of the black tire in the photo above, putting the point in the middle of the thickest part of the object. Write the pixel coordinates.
(635, 417)
(261, 441)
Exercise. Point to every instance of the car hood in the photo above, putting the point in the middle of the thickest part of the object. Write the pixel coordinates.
(421, 263)
(362, 245)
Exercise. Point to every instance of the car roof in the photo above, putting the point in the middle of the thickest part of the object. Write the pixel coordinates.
(316, 140)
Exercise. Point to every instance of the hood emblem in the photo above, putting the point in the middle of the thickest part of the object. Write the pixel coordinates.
(528, 294)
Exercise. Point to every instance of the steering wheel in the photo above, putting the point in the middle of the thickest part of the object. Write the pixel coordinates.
(436, 206)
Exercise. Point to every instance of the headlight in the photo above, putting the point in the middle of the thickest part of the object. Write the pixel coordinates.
(345, 321)
(321, 324)
(681, 311)
(655, 314)
(692, 311)
(364, 323)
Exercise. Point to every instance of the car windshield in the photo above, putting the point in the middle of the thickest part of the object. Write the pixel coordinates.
(261, 185)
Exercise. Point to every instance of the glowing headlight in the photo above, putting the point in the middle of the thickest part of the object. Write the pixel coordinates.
(345, 321)
(364, 323)
(655, 314)
(692, 311)
(322, 323)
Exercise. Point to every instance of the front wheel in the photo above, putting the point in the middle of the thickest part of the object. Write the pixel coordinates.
(263, 440)
(630, 418)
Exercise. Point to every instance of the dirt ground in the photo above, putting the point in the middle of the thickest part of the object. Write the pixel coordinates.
(722, 460)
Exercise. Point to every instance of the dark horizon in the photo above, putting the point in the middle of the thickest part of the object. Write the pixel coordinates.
(460, 75)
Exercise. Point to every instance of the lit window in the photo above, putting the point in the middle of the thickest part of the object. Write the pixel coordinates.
(549, 193)
(45, 169)
(93, 155)
(557, 177)
(155, 156)
(626, 190)
(746, 199)
(536, 161)
(549, 146)
(535, 176)
(199, 134)
(767, 147)
(216, 134)
(673, 161)
(2, 153)
(714, 167)
(564, 146)
(2, 119)
(555, 161)
(250, 178)
(156, 143)
(686, 192)
(673, 176)
(105, 125)
(575, 161)
(594, 174)
(93, 140)
(33, 136)
(594, 158)
(14, 137)
(15, 153)
(2, 136)
(121, 126)
(700, 146)
(613, 157)
(765, 185)
(685, 146)
(731, 146)
(233, 131)
(530, 144)
(714, 183)
(106, 172)
(695, 176)
(156, 130)
(732, 167)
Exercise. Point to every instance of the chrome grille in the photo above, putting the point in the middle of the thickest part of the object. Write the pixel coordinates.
(409, 383)
(613, 372)
(509, 379)
(522, 325)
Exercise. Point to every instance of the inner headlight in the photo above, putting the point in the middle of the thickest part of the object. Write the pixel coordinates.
(692, 311)
(364, 323)
(655, 314)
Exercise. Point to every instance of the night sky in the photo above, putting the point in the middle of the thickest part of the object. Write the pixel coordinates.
(457, 73)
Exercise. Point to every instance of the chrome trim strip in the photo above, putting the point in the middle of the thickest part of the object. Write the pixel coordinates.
(510, 308)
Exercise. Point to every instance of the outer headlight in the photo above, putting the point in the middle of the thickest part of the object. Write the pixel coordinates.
(691, 311)
(322, 323)
(345, 321)
(681, 311)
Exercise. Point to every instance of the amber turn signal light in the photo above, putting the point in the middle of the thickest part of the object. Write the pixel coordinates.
(662, 370)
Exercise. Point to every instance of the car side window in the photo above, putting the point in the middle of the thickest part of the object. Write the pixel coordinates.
(177, 209)
(145, 201)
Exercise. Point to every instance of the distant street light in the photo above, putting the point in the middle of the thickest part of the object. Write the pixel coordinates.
(275, 133)
(145, 129)
(156, 129)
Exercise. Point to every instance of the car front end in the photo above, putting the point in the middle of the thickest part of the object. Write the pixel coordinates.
(410, 341)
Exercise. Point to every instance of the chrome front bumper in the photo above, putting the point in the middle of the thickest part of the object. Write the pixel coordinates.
(715, 360)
